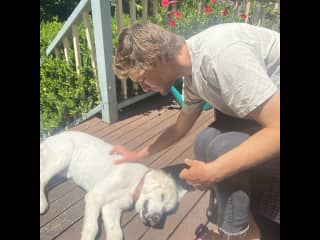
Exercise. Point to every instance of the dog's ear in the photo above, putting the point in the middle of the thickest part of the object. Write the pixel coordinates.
(182, 187)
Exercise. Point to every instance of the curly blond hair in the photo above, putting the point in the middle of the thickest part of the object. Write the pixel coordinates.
(140, 45)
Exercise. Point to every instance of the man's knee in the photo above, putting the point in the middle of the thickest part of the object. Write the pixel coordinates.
(224, 143)
(203, 139)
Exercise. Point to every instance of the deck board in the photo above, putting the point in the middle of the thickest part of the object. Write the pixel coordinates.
(138, 126)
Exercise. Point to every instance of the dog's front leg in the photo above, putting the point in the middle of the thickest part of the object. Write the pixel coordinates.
(111, 214)
(91, 215)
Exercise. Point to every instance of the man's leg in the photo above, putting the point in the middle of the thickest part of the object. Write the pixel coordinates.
(232, 194)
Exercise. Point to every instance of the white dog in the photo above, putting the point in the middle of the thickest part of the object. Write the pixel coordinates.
(110, 188)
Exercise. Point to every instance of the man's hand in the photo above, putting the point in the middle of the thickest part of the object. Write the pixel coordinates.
(197, 175)
(127, 155)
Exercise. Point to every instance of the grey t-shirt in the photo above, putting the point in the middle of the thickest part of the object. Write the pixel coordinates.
(235, 68)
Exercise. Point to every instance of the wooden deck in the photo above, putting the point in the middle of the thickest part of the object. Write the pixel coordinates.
(139, 125)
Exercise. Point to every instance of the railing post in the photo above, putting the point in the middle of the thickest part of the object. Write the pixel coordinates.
(101, 15)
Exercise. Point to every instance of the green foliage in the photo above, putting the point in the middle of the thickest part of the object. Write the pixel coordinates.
(63, 95)
(192, 22)
(48, 30)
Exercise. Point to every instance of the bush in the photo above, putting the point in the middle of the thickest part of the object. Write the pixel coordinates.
(63, 95)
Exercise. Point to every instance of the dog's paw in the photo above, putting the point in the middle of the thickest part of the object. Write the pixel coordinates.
(43, 206)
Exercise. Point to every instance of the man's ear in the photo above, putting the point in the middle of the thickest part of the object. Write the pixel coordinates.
(162, 59)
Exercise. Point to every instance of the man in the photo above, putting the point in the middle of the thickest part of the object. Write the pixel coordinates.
(235, 67)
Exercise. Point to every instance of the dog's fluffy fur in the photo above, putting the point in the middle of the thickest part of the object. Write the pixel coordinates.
(109, 187)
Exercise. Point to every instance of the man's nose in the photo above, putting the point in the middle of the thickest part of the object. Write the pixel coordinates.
(144, 87)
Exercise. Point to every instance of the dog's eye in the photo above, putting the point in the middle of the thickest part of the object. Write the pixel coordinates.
(162, 197)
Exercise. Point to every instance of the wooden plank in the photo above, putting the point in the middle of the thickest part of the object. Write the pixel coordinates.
(89, 37)
(118, 125)
(157, 123)
(261, 14)
(60, 205)
(188, 225)
(133, 14)
(101, 17)
(55, 182)
(73, 232)
(137, 98)
(60, 190)
(57, 53)
(66, 47)
(155, 4)
(126, 129)
(186, 205)
(96, 128)
(74, 18)
(76, 47)
(86, 125)
(119, 13)
(247, 11)
(183, 144)
(144, 11)
(62, 222)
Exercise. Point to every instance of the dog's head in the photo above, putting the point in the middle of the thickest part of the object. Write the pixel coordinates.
(159, 197)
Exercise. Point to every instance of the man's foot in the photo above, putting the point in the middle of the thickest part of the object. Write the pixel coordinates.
(252, 234)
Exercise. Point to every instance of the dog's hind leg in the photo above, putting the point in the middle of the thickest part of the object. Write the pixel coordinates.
(111, 215)
(91, 216)
(52, 162)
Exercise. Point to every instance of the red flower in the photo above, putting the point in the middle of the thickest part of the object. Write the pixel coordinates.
(224, 12)
(178, 14)
(165, 3)
(207, 10)
(171, 23)
(244, 16)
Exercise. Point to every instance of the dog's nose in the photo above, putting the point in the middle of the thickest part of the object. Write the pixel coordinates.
(156, 217)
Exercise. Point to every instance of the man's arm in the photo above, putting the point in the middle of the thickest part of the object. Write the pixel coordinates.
(171, 135)
(258, 148)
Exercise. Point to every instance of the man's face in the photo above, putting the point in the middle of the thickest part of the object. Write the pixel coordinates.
(158, 78)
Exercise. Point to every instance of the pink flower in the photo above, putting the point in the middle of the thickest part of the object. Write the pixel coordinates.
(171, 23)
(207, 10)
(173, 1)
(165, 3)
(224, 12)
(213, 1)
(244, 16)
(178, 14)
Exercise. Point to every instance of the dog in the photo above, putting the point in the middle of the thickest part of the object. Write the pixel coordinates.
(111, 188)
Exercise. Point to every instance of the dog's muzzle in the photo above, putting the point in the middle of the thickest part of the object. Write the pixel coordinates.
(154, 220)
